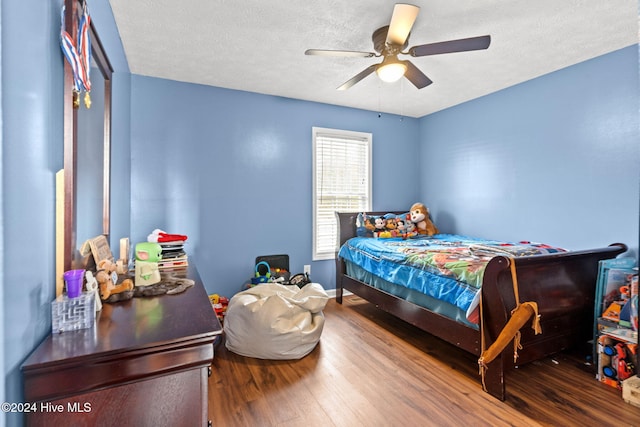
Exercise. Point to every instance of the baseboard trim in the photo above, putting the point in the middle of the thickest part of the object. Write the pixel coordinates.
(332, 293)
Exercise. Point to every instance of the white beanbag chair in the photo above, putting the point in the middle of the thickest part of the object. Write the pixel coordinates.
(273, 321)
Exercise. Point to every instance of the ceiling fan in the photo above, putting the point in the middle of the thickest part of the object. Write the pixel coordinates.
(389, 42)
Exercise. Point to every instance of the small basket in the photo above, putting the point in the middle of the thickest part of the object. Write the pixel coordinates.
(631, 391)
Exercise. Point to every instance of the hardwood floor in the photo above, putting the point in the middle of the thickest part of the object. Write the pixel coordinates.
(371, 369)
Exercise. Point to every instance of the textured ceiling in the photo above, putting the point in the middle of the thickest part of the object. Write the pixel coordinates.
(258, 46)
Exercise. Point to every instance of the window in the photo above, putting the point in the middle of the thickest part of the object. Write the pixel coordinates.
(341, 182)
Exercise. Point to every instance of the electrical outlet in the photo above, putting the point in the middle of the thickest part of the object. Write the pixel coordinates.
(307, 269)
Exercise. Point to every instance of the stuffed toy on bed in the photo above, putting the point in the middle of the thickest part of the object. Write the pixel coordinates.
(419, 215)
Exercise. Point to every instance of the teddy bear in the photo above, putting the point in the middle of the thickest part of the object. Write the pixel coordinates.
(419, 215)
(107, 277)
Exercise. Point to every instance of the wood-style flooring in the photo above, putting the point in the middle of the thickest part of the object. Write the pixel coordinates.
(371, 369)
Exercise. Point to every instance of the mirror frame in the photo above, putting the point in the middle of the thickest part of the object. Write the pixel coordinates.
(100, 58)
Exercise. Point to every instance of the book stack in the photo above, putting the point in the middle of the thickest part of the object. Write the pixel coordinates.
(173, 255)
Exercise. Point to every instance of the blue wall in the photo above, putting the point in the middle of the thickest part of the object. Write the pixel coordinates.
(555, 159)
(32, 141)
(232, 170)
(32, 145)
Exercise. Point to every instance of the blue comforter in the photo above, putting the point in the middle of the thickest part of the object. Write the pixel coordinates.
(447, 267)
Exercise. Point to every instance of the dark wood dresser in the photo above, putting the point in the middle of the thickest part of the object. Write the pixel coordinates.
(145, 362)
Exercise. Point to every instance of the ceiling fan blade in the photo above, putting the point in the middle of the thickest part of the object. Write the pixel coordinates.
(341, 53)
(461, 45)
(364, 73)
(415, 76)
(404, 15)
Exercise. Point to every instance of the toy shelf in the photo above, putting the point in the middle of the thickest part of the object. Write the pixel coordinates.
(616, 324)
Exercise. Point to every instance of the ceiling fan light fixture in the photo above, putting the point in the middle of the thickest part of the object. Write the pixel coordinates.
(391, 70)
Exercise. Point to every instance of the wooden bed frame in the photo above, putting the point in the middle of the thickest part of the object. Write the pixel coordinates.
(563, 285)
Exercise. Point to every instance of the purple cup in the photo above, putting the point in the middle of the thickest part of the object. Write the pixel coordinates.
(73, 280)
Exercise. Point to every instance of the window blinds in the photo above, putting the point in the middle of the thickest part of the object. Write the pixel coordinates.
(342, 182)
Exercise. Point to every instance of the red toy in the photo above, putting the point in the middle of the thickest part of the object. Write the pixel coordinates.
(219, 304)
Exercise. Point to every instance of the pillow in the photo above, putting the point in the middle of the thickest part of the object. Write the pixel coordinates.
(387, 226)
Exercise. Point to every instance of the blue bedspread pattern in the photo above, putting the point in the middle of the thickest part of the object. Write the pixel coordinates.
(447, 267)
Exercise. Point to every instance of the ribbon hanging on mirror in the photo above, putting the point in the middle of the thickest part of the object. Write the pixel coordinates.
(79, 57)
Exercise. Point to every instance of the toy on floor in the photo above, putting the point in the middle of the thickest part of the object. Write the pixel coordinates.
(219, 304)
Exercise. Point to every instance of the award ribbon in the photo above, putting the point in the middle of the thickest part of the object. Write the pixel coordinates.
(79, 57)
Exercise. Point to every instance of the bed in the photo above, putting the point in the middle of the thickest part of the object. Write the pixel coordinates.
(562, 283)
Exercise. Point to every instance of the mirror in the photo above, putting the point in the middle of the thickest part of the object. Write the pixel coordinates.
(87, 147)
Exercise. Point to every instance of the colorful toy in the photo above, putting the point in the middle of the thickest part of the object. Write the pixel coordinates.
(410, 228)
(219, 304)
(369, 223)
(147, 273)
(622, 366)
(379, 224)
(148, 251)
(401, 227)
(390, 227)
(626, 367)
(262, 273)
(613, 311)
(419, 215)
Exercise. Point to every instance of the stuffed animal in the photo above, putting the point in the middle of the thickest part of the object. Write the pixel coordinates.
(107, 278)
(369, 223)
(420, 217)
(391, 224)
(410, 228)
(379, 224)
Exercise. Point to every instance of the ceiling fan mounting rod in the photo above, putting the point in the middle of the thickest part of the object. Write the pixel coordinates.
(391, 49)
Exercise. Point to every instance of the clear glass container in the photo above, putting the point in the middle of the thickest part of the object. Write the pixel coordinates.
(71, 314)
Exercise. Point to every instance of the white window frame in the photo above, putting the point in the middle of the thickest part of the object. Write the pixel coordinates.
(320, 219)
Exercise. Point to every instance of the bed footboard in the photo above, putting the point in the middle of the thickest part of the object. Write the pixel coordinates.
(563, 286)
